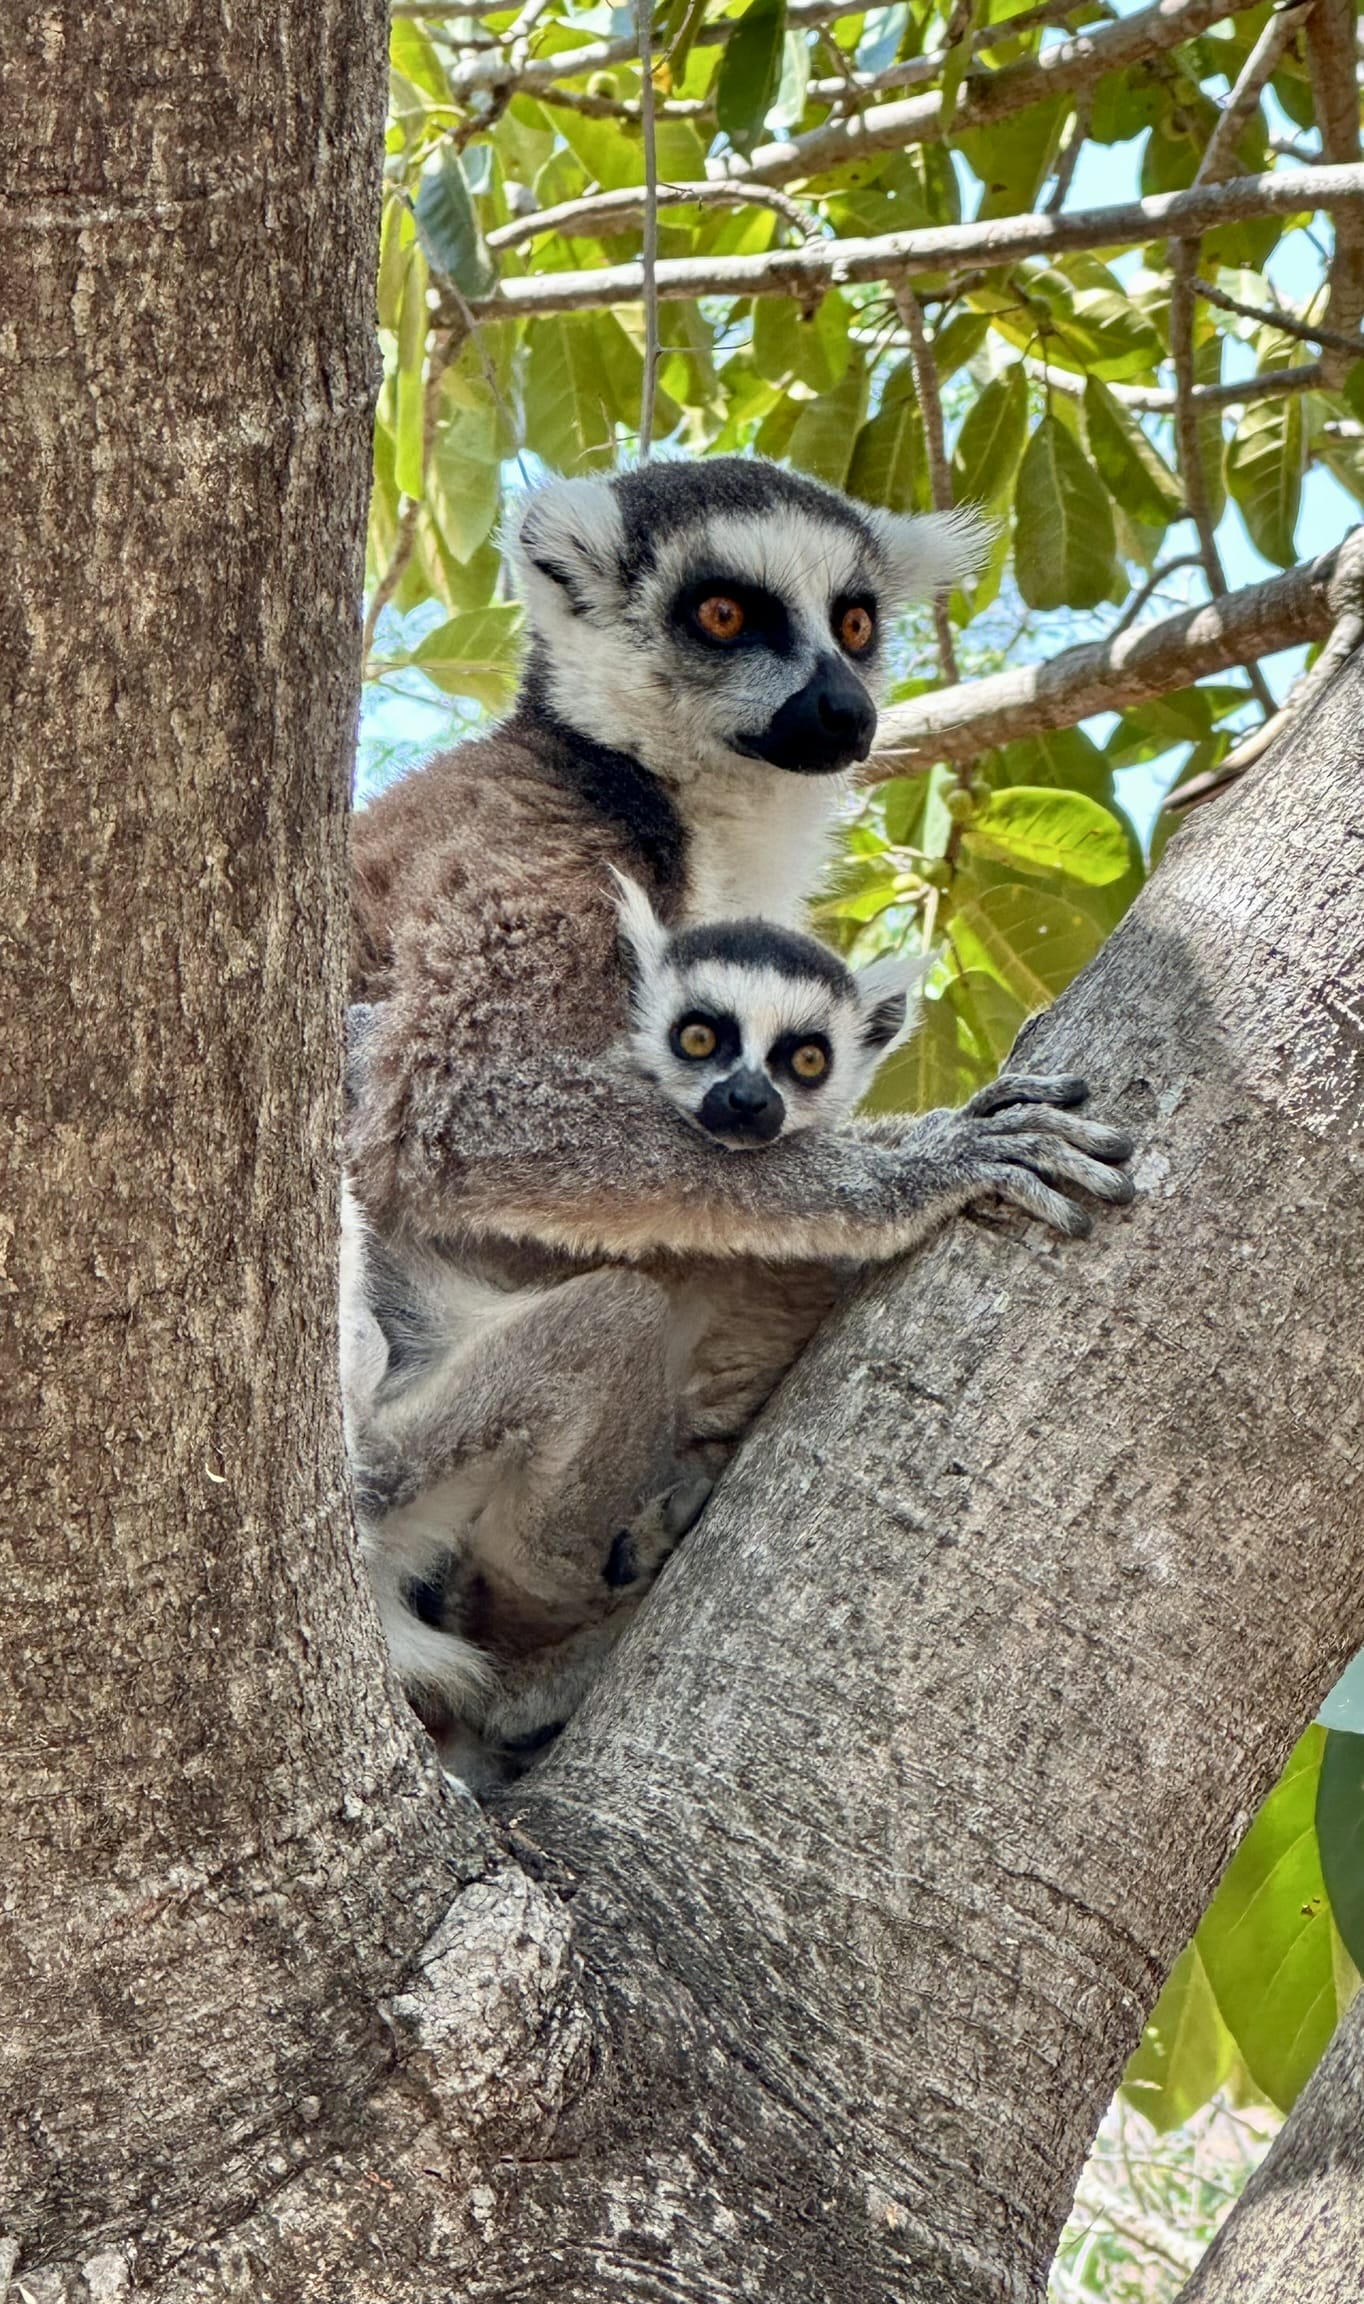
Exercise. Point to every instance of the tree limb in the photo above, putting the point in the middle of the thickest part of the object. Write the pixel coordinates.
(806, 272)
(621, 210)
(1331, 36)
(1288, 323)
(952, 724)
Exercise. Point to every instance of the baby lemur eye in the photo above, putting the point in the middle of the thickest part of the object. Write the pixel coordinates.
(809, 1061)
(720, 616)
(856, 628)
(696, 1039)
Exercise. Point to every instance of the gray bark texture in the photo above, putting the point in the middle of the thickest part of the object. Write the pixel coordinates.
(802, 1970)
(211, 1861)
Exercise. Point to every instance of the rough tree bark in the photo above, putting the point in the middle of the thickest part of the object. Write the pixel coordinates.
(212, 1859)
(803, 1969)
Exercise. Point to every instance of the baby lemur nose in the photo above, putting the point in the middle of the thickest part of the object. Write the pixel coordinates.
(746, 1104)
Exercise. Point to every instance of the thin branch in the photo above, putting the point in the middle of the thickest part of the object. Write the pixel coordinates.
(987, 97)
(644, 26)
(1287, 323)
(805, 272)
(444, 347)
(1331, 59)
(534, 73)
(622, 210)
(939, 476)
(1346, 600)
(618, 107)
(1076, 137)
(1155, 400)
(1152, 585)
(954, 724)
(1282, 27)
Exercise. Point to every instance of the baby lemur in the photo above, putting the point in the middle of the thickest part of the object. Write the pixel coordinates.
(525, 1458)
(706, 644)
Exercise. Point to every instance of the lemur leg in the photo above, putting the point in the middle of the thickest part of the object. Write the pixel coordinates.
(525, 1454)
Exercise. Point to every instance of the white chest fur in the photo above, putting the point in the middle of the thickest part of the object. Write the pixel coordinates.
(758, 843)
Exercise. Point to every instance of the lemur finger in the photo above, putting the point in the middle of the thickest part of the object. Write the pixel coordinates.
(1092, 1136)
(1021, 1188)
(1064, 1164)
(1029, 1088)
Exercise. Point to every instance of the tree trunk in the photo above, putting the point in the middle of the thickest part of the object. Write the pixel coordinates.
(1296, 2235)
(803, 1968)
(212, 1863)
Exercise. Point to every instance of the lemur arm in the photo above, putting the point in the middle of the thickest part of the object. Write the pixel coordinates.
(585, 1157)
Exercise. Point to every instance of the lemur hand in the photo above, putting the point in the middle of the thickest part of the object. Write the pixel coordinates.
(1020, 1137)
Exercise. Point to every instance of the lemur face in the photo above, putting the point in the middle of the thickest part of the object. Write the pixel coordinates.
(726, 612)
(751, 1031)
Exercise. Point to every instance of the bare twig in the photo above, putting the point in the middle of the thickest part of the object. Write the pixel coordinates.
(620, 211)
(1282, 27)
(1153, 583)
(1155, 400)
(1287, 323)
(805, 272)
(939, 476)
(954, 724)
(644, 26)
(534, 73)
(1076, 137)
(1331, 58)
(621, 107)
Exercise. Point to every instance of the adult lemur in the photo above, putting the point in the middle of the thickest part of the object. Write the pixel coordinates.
(703, 643)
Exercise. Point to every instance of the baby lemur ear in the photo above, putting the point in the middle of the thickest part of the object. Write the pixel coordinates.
(641, 939)
(925, 553)
(566, 542)
(884, 993)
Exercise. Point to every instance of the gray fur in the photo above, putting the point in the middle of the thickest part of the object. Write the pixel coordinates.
(570, 1301)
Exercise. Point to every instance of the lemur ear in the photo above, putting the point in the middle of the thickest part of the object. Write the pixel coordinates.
(925, 553)
(884, 991)
(566, 542)
(642, 939)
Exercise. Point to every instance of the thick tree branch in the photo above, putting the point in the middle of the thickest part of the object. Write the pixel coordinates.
(953, 724)
(807, 272)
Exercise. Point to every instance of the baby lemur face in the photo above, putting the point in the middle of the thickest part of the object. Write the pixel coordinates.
(752, 1031)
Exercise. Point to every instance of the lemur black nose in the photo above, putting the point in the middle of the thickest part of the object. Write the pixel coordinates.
(825, 726)
(746, 1106)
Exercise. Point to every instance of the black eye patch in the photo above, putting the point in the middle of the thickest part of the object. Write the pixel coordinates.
(728, 1038)
(766, 623)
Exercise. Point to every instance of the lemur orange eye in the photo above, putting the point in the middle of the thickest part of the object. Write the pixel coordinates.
(809, 1061)
(857, 630)
(696, 1040)
(720, 617)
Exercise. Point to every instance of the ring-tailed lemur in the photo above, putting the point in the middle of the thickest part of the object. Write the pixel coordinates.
(503, 1439)
(704, 641)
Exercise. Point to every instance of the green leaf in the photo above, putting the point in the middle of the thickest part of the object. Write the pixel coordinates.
(1033, 943)
(610, 158)
(448, 225)
(824, 434)
(1267, 1939)
(396, 235)
(1044, 830)
(1186, 2050)
(1265, 466)
(473, 654)
(990, 442)
(957, 56)
(412, 52)
(1207, 364)
(958, 343)
(750, 72)
(1093, 324)
(815, 351)
(1063, 524)
(929, 1070)
(1013, 157)
(1064, 758)
(409, 428)
(990, 1014)
(570, 398)
(1340, 1835)
(889, 462)
(1135, 473)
